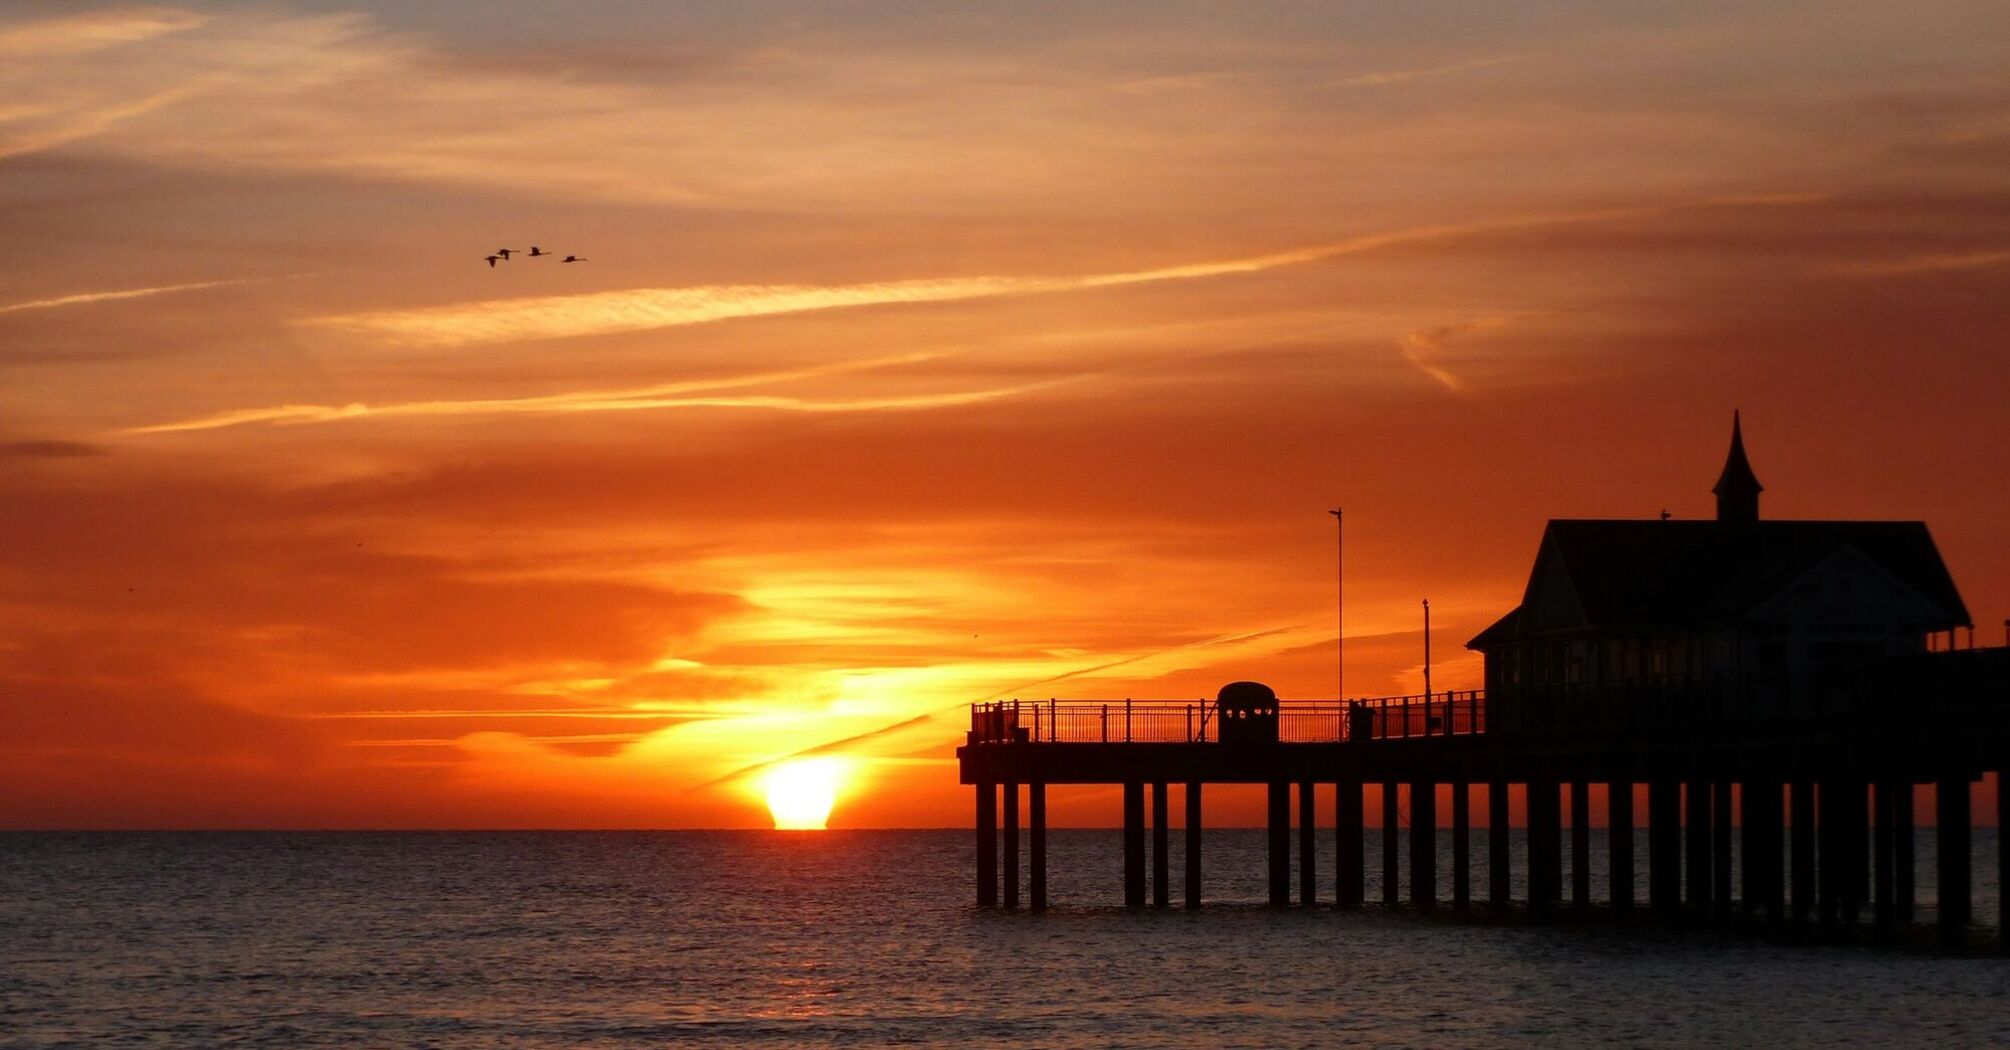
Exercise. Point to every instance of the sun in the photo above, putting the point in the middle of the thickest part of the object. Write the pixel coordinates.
(801, 793)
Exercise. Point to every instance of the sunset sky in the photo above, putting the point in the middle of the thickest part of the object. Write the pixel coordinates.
(924, 354)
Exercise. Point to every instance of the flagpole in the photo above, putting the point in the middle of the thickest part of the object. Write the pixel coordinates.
(1339, 606)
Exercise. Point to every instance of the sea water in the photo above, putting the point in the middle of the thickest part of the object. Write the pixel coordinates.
(870, 938)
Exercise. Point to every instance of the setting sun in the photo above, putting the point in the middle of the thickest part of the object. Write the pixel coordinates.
(801, 793)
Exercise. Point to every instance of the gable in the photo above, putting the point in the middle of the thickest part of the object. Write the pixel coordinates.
(1848, 587)
(1551, 601)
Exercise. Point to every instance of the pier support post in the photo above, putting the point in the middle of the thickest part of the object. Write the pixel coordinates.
(1011, 845)
(1389, 821)
(1664, 847)
(1883, 908)
(1036, 804)
(987, 845)
(1951, 858)
(1423, 845)
(1771, 842)
(1497, 847)
(1462, 846)
(1720, 848)
(1580, 846)
(1852, 816)
(1349, 847)
(1280, 844)
(1308, 849)
(1193, 823)
(1161, 848)
(1804, 850)
(1696, 845)
(1134, 845)
(2002, 863)
(1619, 843)
(1545, 846)
(1904, 861)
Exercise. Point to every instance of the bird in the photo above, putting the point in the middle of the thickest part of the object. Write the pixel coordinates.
(505, 253)
(536, 251)
(492, 262)
(572, 258)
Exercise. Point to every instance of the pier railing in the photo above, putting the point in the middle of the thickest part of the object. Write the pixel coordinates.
(1057, 721)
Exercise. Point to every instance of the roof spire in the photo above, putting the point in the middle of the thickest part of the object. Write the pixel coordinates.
(1737, 488)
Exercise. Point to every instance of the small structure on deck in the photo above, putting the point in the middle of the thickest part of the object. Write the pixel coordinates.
(1776, 678)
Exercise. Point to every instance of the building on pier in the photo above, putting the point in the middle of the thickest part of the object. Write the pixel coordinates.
(1623, 600)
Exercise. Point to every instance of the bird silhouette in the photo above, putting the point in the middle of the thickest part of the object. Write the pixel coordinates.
(572, 258)
(536, 251)
(492, 261)
(505, 253)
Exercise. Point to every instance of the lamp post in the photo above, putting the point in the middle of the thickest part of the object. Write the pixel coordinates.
(1339, 607)
(1427, 651)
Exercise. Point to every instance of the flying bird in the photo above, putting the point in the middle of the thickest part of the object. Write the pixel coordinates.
(492, 261)
(572, 258)
(505, 253)
(536, 251)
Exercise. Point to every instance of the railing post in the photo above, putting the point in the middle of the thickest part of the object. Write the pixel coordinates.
(1106, 723)
(1053, 726)
(1127, 720)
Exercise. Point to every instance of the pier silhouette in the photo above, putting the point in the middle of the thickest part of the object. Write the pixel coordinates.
(1790, 682)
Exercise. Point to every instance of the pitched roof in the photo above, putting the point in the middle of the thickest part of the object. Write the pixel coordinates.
(1685, 573)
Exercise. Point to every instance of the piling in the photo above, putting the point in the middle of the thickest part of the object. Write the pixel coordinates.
(1280, 844)
(1308, 854)
(1462, 847)
(1193, 823)
(1134, 844)
(1036, 803)
(1619, 843)
(1497, 847)
(1423, 845)
(987, 845)
(1161, 840)
(1580, 846)
(1952, 811)
(1348, 849)
(1011, 819)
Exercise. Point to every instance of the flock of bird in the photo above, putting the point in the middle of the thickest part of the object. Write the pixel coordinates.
(535, 252)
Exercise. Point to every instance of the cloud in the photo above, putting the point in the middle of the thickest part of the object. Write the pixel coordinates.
(1932, 263)
(47, 449)
(1399, 76)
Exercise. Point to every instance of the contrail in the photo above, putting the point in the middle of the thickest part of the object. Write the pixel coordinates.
(140, 293)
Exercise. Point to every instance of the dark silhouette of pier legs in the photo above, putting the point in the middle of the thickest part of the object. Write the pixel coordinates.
(2002, 863)
(1720, 848)
(1134, 845)
(1161, 861)
(1883, 908)
(1497, 847)
(1423, 845)
(1851, 870)
(1280, 844)
(1804, 850)
(1829, 875)
(1580, 846)
(1462, 847)
(1696, 845)
(1619, 835)
(1308, 854)
(1036, 804)
(1389, 820)
(1349, 831)
(987, 845)
(1769, 865)
(1664, 847)
(1011, 845)
(1193, 823)
(1545, 846)
(1951, 806)
(1904, 861)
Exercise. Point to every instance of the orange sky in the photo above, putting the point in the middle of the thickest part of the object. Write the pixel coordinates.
(921, 355)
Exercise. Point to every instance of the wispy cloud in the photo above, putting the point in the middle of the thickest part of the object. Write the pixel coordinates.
(1398, 76)
(1946, 262)
(82, 298)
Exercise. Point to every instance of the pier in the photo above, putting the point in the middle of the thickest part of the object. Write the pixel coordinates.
(1792, 684)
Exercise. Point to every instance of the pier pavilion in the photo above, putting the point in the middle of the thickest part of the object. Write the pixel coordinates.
(1791, 683)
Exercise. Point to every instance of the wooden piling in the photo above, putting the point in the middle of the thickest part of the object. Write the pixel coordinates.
(1036, 804)
(1390, 819)
(1308, 854)
(1423, 845)
(1580, 846)
(1193, 830)
(1545, 846)
(1696, 845)
(1619, 843)
(1498, 892)
(987, 845)
(1280, 844)
(1721, 797)
(2002, 864)
(1771, 845)
(1951, 858)
(1134, 844)
(1348, 849)
(1853, 816)
(1011, 819)
(1664, 847)
(1161, 843)
(1462, 846)
(1804, 850)
(1884, 911)
(1904, 858)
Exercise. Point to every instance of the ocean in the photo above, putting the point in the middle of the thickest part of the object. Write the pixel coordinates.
(869, 938)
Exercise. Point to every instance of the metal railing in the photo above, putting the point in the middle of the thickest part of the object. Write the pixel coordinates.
(1056, 721)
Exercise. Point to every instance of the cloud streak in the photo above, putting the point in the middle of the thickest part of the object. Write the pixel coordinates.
(82, 298)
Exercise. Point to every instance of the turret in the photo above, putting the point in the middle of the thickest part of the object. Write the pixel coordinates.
(1737, 488)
